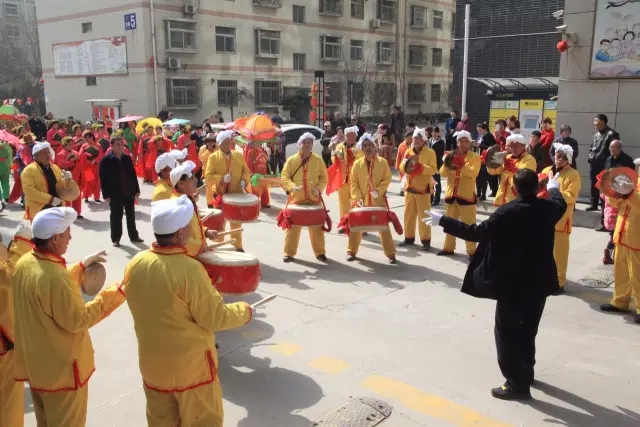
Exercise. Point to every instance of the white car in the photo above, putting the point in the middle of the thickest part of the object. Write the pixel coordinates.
(293, 132)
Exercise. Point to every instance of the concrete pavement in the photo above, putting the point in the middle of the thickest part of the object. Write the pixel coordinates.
(403, 334)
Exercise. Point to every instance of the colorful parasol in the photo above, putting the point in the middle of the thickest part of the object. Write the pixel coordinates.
(176, 122)
(9, 112)
(10, 138)
(258, 127)
(127, 119)
(149, 121)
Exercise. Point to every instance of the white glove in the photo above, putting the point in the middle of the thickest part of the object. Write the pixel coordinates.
(243, 183)
(315, 192)
(499, 157)
(92, 259)
(622, 186)
(56, 202)
(637, 161)
(434, 218)
(298, 188)
(23, 230)
(360, 203)
(553, 181)
(374, 194)
(227, 178)
(67, 175)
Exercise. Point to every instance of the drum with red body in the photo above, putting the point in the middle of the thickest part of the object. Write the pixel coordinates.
(306, 215)
(212, 219)
(237, 207)
(232, 272)
(371, 218)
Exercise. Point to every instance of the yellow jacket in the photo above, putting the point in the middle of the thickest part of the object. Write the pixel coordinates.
(344, 154)
(204, 154)
(197, 240)
(364, 176)
(35, 188)
(53, 346)
(461, 182)
(506, 191)
(162, 190)
(570, 184)
(176, 312)
(17, 248)
(420, 183)
(312, 175)
(627, 232)
(219, 165)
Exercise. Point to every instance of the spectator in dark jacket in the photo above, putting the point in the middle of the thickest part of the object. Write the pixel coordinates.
(37, 127)
(485, 140)
(362, 128)
(438, 145)
(450, 128)
(337, 122)
(566, 139)
(598, 154)
(537, 150)
(396, 125)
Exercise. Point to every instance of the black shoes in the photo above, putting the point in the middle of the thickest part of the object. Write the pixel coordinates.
(592, 209)
(407, 242)
(137, 240)
(392, 260)
(444, 253)
(287, 258)
(240, 250)
(116, 244)
(608, 308)
(322, 258)
(426, 245)
(505, 392)
(351, 257)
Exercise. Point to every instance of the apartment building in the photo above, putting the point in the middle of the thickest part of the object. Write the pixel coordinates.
(18, 36)
(196, 57)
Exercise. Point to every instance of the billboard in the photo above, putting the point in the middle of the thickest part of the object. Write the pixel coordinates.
(99, 57)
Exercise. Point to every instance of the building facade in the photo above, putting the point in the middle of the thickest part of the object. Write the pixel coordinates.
(20, 70)
(513, 62)
(201, 56)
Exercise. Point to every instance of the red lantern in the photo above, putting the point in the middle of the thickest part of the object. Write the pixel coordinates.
(313, 116)
(41, 81)
(562, 46)
(314, 102)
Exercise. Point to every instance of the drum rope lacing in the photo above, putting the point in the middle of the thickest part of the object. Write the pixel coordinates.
(284, 217)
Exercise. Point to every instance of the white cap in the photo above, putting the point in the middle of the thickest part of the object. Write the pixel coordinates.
(165, 160)
(49, 222)
(462, 134)
(366, 137)
(179, 154)
(352, 129)
(225, 134)
(170, 215)
(306, 135)
(184, 169)
(421, 133)
(566, 149)
(518, 138)
(39, 146)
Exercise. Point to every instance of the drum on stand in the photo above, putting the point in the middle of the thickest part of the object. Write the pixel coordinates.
(240, 207)
(211, 218)
(371, 218)
(232, 272)
(306, 215)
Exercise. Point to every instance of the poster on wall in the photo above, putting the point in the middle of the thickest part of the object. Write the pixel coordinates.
(616, 40)
(99, 57)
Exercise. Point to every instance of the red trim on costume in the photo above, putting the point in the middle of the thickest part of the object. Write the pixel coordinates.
(48, 256)
(77, 381)
(30, 242)
(213, 372)
(167, 250)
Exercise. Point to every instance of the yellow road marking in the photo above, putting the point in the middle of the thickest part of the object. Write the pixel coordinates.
(329, 365)
(429, 404)
(286, 348)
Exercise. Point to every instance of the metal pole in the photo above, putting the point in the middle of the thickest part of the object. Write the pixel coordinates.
(155, 57)
(465, 65)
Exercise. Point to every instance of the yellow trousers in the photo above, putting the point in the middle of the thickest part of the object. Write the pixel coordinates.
(414, 207)
(386, 239)
(197, 407)
(344, 199)
(62, 408)
(626, 278)
(237, 235)
(466, 214)
(292, 239)
(209, 194)
(561, 254)
(11, 394)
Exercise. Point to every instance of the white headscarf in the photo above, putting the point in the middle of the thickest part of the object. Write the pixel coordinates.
(39, 146)
(352, 129)
(421, 133)
(366, 137)
(179, 155)
(49, 222)
(225, 134)
(517, 138)
(169, 216)
(306, 135)
(566, 149)
(184, 169)
(165, 160)
(462, 134)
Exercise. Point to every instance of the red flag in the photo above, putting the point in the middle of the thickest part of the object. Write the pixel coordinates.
(335, 178)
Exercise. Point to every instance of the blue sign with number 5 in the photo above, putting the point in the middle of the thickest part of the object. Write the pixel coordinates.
(130, 21)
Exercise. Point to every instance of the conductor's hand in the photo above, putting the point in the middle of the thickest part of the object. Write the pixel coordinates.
(499, 157)
(211, 234)
(23, 230)
(553, 181)
(433, 219)
(97, 257)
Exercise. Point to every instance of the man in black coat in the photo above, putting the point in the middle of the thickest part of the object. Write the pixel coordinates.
(598, 153)
(438, 145)
(37, 127)
(120, 188)
(514, 265)
(485, 140)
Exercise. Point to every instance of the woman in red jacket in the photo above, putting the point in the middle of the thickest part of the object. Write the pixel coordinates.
(548, 134)
(69, 159)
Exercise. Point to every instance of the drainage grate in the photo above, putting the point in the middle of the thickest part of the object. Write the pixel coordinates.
(599, 277)
(357, 412)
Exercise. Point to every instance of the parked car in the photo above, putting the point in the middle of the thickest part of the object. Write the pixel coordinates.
(293, 132)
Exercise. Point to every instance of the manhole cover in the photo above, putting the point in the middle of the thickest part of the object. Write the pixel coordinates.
(599, 277)
(357, 412)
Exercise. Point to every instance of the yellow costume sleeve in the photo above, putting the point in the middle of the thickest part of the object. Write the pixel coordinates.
(5, 276)
(285, 175)
(30, 189)
(633, 200)
(571, 190)
(215, 171)
(17, 248)
(493, 171)
(445, 172)
(431, 166)
(384, 178)
(471, 169)
(356, 192)
(614, 202)
(323, 177)
(529, 162)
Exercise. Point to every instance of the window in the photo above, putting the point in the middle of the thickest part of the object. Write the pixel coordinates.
(299, 61)
(330, 48)
(334, 93)
(227, 93)
(417, 55)
(92, 81)
(10, 9)
(267, 92)
(225, 39)
(438, 18)
(386, 10)
(298, 14)
(355, 92)
(418, 15)
(357, 50)
(87, 27)
(331, 7)
(268, 3)
(435, 93)
(267, 42)
(183, 93)
(384, 52)
(181, 35)
(453, 23)
(357, 9)
(13, 32)
(436, 57)
(416, 93)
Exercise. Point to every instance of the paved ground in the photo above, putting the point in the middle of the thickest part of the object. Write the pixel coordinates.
(403, 334)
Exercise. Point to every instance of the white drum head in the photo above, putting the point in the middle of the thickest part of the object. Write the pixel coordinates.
(369, 209)
(240, 199)
(228, 258)
(209, 212)
(305, 207)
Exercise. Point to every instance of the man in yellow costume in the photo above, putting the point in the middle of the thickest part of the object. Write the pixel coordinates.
(165, 286)
(569, 186)
(39, 181)
(184, 182)
(227, 172)
(304, 178)
(162, 187)
(344, 155)
(370, 179)
(460, 197)
(53, 350)
(209, 147)
(626, 237)
(512, 160)
(11, 391)
(422, 165)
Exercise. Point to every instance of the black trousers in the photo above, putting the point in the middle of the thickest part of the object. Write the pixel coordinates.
(327, 159)
(595, 169)
(515, 332)
(485, 179)
(117, 207)
(435, 199)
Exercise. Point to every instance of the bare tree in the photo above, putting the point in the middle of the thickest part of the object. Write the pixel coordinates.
(358, 78)
(442, 107)
(380, 97)
(235, 96)
(20, 62)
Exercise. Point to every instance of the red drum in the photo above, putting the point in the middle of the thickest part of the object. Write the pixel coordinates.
(237, 207)
(370, 218)
(215, 221)
(232, 272)
(307, 215)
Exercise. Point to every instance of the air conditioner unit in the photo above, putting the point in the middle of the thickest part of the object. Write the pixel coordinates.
(374, 23)
(173, 63)
(189, 9)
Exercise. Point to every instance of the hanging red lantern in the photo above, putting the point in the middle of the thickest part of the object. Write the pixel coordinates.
(314, 102)
(562, 46)
(41, 81)
(313, 116)
(314, 88)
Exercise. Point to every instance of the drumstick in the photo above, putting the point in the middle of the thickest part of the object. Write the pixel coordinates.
(199, 189)
(226, 233)
(218, 244)
(263, 301)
